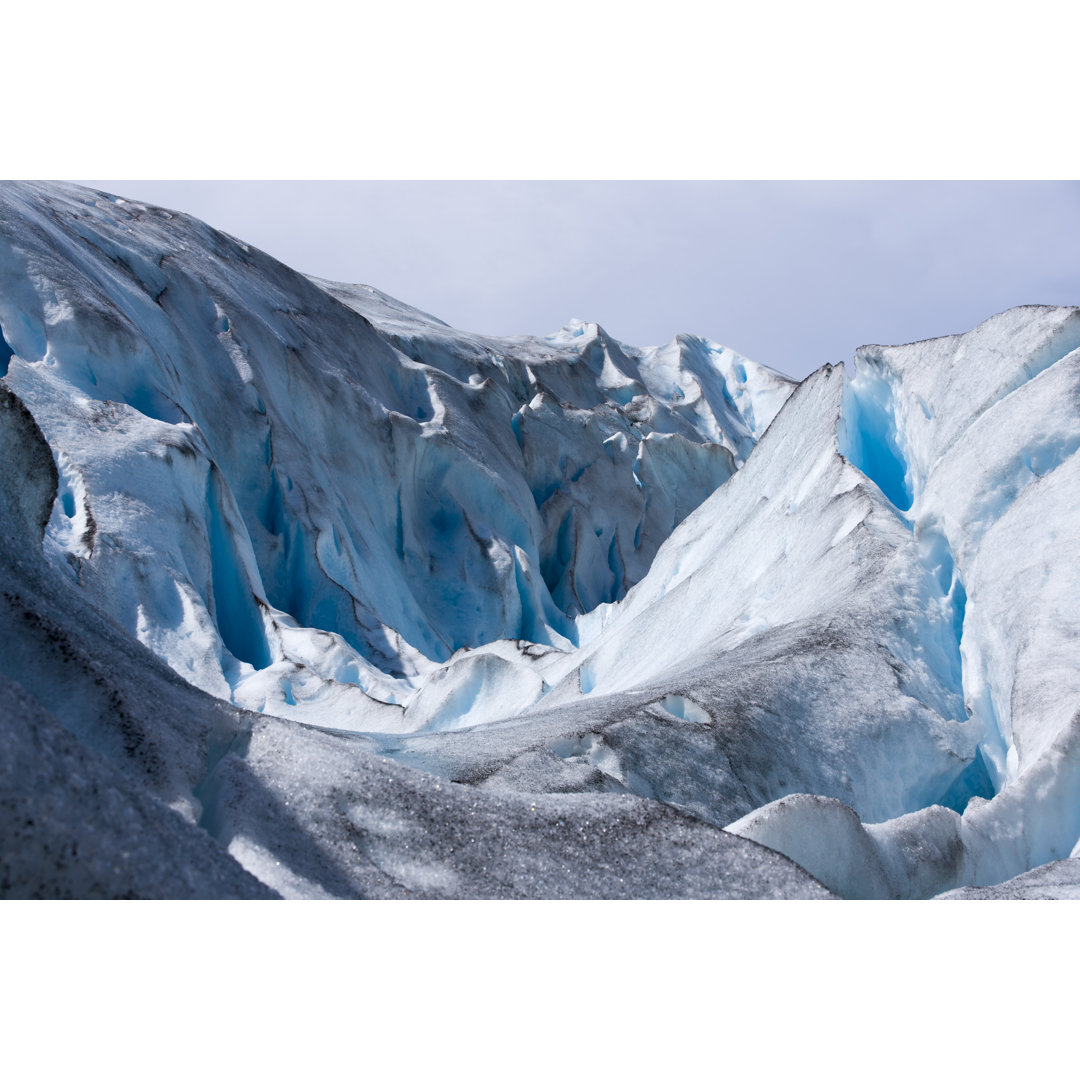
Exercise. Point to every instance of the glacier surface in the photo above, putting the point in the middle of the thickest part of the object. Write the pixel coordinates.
(306, 593)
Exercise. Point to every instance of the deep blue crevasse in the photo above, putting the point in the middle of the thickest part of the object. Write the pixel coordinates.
(873, 442)
(6, 353)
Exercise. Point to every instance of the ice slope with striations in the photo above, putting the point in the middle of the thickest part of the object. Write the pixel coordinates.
(303, 504)
(975, 439)
(574, 618)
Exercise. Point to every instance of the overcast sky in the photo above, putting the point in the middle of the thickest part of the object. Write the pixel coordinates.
(791, 274)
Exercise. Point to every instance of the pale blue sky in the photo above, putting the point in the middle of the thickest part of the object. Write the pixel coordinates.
(792, 274)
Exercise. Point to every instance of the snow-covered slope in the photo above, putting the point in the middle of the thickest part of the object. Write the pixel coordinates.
(575, 618)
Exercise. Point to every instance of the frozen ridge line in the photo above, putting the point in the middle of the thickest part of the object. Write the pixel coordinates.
(364, 605)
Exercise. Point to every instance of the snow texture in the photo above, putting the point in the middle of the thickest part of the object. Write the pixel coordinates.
(1053, 881)
(306, 593)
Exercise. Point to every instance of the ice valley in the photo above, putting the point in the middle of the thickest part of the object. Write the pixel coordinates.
(305, 593)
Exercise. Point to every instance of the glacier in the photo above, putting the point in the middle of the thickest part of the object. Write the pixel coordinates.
(308, 594)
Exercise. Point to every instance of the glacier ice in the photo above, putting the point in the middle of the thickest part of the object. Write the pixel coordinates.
(336, 600)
